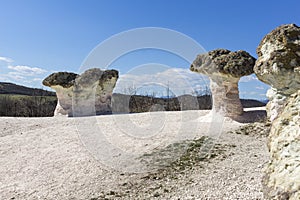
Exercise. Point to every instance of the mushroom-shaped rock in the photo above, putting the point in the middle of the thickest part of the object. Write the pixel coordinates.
(225, 68)
(93, 92)
(278, 65)
(84, 94)
(282, 174)
(63, 84)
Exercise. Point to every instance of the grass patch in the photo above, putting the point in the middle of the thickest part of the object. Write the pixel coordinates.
(184, 155)
(257, 129)
(16, 105)
(20, 97)
(173, 164)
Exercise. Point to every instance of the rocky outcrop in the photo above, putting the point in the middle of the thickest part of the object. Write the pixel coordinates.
(279, 66)
(225, 68)
(63, 84)
(282, 175)
(82, 95)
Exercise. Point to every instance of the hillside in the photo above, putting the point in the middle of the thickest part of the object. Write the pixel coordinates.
(11, 88)
(21, 101)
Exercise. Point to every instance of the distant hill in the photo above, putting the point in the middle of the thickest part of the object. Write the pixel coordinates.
(265, 101)
(11, 88)
(249, 103)
(21, 101)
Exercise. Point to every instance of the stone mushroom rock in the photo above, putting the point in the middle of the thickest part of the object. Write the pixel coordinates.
(63, 84)
(278, 65)
(85, 94)
(225, 68)
(93, 92)
(282, 174)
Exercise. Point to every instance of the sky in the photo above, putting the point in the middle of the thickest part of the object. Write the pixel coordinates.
(38, 38)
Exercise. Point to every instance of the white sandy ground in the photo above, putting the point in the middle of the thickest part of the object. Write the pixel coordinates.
(94, 157)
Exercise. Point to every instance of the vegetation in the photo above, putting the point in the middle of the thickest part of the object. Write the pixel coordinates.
(171, 164)
(123, 103)
(20, 101)
(184, 155)
(10, 88)
(27, 106)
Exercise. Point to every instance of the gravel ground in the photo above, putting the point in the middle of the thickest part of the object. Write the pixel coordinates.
(52, 158)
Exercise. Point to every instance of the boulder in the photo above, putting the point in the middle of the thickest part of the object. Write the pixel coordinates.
(282, 174)
(278, 65)
(82, 95)
(225, 68)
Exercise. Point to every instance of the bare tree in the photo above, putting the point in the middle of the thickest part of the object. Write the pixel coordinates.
(130, 90)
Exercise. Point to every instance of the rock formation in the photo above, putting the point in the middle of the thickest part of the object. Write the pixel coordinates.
(282, 175)
(225, 68)
(81, 95)
(279, 66)
(63, 84)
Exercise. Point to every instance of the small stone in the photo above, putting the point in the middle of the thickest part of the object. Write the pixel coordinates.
(166, 190)
(156, 194)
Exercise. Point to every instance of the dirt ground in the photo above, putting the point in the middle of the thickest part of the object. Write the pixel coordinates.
(101, 157)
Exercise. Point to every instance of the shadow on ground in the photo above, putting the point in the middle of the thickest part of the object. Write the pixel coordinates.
(252, 116)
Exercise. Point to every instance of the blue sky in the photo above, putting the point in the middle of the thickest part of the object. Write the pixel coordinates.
(41, 37)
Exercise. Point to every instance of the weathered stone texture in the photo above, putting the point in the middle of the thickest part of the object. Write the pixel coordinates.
(225, 68)
(81, 95)
(282, 179)
(278, 65)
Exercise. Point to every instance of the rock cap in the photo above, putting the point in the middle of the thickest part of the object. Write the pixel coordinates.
(224, 62)
(64, 79)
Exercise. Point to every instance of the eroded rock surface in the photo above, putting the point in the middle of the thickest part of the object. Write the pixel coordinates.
(225, 68)
(282, 179)
(278, 65)
(63, 84)
(85, 94)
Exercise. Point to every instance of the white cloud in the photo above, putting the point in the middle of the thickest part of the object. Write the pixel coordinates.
(25, 75)
(26, 70)
(4, 78)
(249, 93)
(11, 77)
(180, 81)
(37, 79)
(20, 74)
(260, 88)
(5, 59)
(17, 77)
(249, 78)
